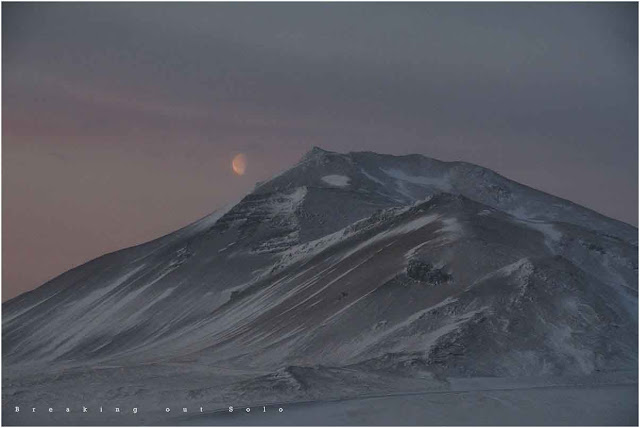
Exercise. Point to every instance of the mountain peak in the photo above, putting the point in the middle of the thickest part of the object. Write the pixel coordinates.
(317, 153)
(371, 180)
(318, 150)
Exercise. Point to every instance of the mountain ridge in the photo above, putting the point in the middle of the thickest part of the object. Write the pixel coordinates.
(316, 153)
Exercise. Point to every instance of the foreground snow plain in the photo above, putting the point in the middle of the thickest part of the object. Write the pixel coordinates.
(604, 399)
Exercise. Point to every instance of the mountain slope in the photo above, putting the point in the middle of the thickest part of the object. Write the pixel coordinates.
(361, 263)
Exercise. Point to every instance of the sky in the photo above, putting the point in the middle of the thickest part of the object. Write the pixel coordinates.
(120, 120)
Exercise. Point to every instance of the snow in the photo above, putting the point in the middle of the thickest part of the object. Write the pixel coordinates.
(309, 249)
(466, 402)
(423, 340)
(522, 267)
(328, 284)
(562, 338)
(371, 177)
(516, 266)
(336, 180)
(452, 230)
(288, 203)
(551, 234)
(442, 183)
(402, 229)
(386, 330)
(452, 226)
(603, 405)
(414, 251)
(226, 247)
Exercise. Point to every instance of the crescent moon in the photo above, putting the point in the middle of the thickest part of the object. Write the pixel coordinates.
(239, 164)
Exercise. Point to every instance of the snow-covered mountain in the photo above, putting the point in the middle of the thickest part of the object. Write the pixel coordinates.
(346, 273)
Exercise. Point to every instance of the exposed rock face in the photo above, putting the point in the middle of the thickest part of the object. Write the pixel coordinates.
(425, 272)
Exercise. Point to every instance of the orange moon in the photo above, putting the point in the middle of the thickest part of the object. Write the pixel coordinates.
(239, 164)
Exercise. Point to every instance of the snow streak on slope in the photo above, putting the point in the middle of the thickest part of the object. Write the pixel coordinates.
(336, 180)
